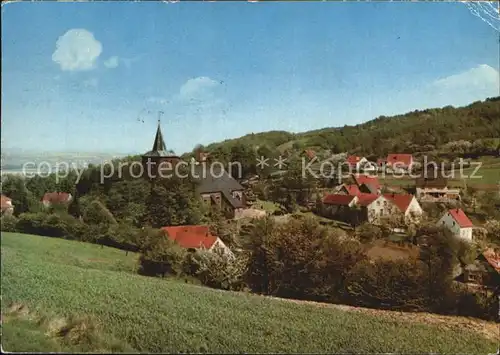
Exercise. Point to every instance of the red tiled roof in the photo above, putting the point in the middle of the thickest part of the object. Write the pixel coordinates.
(353, 159)
(367, 180)
(366, 199)
(461, 218)
(310, 153)
(402, 201)
(492, 258)
(352, 190)
(335, 199)
(191, 236)
(400, 159)
(56, 197)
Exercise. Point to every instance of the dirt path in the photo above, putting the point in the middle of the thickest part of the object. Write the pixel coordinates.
(490, 330)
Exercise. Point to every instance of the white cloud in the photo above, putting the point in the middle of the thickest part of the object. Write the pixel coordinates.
(111, 62)
(77, 49)
(93, 82)
(474, 84)
(480, 77)
(197, 87)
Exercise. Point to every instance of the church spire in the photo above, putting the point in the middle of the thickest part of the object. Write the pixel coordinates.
(159, 144)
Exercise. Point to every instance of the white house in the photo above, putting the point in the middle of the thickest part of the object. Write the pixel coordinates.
(387, 205)
(458, 223)
(407, 205)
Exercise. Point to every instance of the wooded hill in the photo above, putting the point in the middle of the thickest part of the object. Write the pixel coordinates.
(429, 130)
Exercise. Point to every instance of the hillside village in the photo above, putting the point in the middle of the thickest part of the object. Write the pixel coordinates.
(214, 226)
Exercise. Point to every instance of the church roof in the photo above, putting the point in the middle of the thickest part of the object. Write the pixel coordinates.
(159, 148)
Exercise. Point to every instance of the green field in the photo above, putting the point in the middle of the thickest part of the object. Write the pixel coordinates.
(60, 295)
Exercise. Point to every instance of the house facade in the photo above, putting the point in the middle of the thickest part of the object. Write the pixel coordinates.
(485, 270)
(381, 207)
(338, 206)
(458, 223)
(407, 206)
(432, 186)
(6, 205)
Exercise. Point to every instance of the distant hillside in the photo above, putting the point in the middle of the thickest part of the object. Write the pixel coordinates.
(417, 131)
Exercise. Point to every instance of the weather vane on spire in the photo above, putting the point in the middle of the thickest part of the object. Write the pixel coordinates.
(159, 115)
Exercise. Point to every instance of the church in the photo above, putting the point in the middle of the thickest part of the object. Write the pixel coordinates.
(216, 187)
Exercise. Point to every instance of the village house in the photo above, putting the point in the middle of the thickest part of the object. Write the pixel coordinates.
(309, 154)
(399, 162)
(485, 270)
(372, 208)
(432, 186)
(216, 186)
(367, 183)
(52, 198)
(407, 206)
(6, 205)
(355, 163)
(337, 206)
(458, 223)
(348, 189)
(196, 237)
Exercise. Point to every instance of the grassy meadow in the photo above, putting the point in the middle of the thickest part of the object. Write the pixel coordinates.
(60, 295)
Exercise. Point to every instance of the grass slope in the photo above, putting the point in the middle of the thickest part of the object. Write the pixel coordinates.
(61, 280)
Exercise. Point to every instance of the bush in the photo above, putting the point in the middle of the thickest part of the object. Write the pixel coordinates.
(388, 284)
(299, 259)
(97, 213)
(31, 223)
(477, 305)
(217, 270)
(59, 225)
(160, 256)
(368, 232)
(8, 223)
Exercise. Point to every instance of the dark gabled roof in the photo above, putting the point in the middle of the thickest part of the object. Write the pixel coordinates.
(438, 183)
(234, 202)
(213, 179)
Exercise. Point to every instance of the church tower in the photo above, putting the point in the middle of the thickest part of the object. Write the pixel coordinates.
(159, 157)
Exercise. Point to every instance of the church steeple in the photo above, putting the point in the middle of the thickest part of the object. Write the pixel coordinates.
(159, 143)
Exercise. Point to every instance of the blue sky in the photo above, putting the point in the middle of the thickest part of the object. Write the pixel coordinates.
(83, 76)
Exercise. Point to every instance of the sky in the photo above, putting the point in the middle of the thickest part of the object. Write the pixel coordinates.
(93, 77)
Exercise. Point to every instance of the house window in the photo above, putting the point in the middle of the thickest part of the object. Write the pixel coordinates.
(453, 223)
